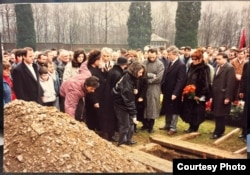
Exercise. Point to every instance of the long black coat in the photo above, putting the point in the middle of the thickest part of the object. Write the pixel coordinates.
(110, 120)
(173, 84)
(25, 85)
(198, 75)
(94, 116)
(222, 88)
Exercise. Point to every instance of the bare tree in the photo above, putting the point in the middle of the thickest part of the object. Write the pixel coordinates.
(37, 13)
(207, 23)
(58, 21)
(106, 22)
(118, 30)
(90, 23)
(219, 27)
(163, 21)
(74, 27)
(45, 18)
(245, 13)
(7, 16)
(8, 22)
(229, 27)
(3, 22)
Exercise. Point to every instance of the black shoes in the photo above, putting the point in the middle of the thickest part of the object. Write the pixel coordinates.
(215, 136)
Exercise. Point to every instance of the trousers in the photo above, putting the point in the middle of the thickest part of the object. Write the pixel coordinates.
(126, 125)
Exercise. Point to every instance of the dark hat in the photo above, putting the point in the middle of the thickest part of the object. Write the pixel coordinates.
(122, 61)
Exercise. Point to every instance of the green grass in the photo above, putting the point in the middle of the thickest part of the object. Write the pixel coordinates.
(206, 129)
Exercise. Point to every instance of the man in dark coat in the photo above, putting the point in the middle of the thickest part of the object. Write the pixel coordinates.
(243, 95)
(222, 93)
(110, 124)
(172, 86)
(26, 79)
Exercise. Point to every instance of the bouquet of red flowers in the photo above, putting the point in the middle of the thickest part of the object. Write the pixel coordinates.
(189, 91)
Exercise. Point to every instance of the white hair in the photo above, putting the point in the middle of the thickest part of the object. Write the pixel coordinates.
(107, 50)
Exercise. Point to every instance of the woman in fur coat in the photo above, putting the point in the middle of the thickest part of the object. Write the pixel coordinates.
(198, 75)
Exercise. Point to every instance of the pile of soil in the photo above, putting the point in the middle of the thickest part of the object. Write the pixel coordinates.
(43, 139)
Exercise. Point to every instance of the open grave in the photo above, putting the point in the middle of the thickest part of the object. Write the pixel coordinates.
(160, 153)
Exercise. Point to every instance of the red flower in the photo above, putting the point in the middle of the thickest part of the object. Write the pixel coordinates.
(189, 91)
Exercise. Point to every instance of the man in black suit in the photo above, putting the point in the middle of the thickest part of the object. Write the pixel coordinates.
(222, 93)
(26, 80)
(174, 80)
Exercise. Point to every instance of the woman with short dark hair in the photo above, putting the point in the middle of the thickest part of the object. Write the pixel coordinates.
(72, 67)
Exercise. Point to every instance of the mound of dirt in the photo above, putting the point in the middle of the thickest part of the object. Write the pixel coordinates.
(43, 139)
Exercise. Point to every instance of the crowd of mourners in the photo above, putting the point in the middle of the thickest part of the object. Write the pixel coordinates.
(113, 90)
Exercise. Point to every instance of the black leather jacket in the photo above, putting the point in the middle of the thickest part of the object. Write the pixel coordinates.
(124, 95)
